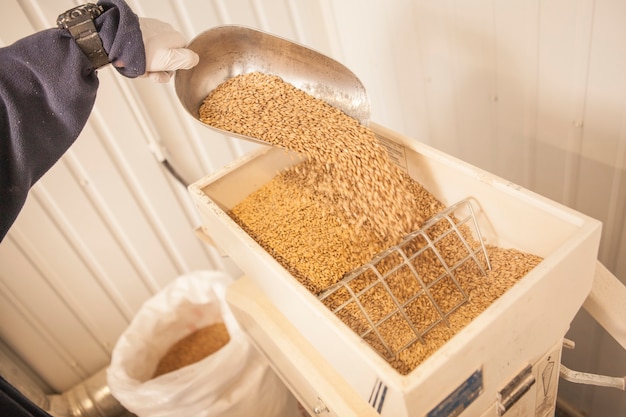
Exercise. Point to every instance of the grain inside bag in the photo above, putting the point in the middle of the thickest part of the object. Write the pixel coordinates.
(193, 348)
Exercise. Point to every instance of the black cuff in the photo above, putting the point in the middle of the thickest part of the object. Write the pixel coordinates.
(118, 27)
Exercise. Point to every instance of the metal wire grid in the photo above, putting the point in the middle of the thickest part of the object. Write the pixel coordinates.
(392, 301)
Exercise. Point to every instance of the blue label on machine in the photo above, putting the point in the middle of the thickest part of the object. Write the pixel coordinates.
(460, 398)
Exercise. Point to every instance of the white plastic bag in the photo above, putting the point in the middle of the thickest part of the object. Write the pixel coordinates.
(235, 381)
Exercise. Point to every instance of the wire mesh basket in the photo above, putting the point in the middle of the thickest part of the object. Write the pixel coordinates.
(406, 291)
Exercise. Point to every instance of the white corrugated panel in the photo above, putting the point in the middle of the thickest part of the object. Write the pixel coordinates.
(532, 91)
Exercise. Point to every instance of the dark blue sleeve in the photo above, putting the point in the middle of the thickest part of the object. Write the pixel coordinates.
(47, 91)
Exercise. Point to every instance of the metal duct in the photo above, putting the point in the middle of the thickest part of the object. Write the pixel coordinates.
(90, 398)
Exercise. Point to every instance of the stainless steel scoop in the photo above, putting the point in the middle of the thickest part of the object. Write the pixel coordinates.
(228, 51)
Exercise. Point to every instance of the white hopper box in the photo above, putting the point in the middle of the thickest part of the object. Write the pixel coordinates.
(505, 362)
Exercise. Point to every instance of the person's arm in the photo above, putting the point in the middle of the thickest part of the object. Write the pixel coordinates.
(47, 91)
(48, 87)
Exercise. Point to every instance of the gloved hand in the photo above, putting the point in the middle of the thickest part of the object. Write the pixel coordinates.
(165, 50)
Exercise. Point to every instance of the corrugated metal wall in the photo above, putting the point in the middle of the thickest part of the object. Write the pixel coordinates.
(532, 91)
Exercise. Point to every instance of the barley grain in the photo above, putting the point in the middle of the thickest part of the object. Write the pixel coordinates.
(193, 348)
(351, 166)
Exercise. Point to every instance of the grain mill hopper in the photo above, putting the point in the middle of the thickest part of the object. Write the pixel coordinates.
(504, 362)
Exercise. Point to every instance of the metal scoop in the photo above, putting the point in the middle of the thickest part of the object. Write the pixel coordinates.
(228, 51)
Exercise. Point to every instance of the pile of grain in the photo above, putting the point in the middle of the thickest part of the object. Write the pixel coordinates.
(193, 348)
(305, 231)
(287, 221)
(347, 202)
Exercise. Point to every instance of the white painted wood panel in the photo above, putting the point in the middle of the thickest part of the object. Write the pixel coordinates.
(533, 91)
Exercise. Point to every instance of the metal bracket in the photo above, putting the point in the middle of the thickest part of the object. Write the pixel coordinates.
(514, 390)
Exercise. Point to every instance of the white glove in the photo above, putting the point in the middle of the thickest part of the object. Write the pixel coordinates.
(165, 50)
